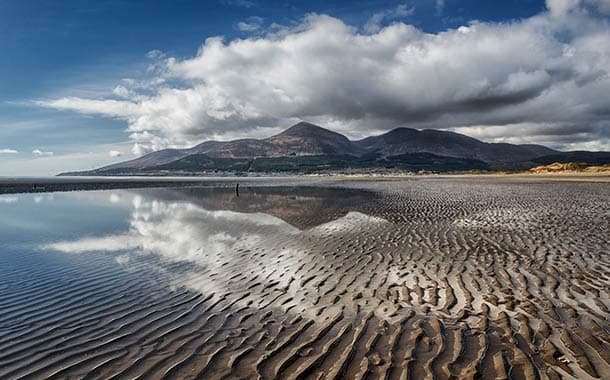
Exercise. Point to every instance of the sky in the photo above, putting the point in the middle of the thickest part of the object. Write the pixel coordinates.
(85, 84)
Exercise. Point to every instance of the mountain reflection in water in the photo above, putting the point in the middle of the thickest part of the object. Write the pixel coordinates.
(218, 237)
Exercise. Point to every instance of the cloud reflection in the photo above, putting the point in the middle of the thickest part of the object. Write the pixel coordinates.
(8, 199)
(222, 251)
(181, 231)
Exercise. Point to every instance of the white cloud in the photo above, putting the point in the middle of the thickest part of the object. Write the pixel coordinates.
(252, 24)
(547, 74)
(154, 54)
(89, 157)
(115, 153)
(8, 151)
(108, 107)
(561, 7)
(375, 23)
(38, 152)
(602, 6)
(122, 91)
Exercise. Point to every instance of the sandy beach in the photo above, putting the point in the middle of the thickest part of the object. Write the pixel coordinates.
(329, 278)
(51, 184)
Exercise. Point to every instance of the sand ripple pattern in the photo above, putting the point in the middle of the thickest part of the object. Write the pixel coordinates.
(426, 279)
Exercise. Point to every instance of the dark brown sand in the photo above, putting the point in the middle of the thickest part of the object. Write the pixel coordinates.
(400, 279)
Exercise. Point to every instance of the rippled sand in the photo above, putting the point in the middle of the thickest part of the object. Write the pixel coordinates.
(439, 278)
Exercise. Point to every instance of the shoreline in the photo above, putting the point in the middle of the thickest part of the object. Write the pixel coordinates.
(60, 184)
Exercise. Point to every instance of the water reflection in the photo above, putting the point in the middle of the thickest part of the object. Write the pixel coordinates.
(302, 207)
(182, 231)
(8, 199)
(226, 244)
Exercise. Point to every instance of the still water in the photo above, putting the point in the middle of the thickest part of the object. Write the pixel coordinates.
(142, 282)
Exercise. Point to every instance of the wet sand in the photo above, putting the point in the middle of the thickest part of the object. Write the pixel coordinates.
(433, 278)
(54, 184)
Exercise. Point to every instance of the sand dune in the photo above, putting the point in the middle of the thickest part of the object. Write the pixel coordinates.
(416, 279)
(570, 167)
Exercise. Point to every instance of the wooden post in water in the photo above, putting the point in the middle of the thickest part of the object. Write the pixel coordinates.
(237, 189)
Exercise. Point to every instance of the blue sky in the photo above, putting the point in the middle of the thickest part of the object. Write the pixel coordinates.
(78, 80)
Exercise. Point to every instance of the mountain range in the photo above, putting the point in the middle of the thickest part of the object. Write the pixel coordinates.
(308, 148)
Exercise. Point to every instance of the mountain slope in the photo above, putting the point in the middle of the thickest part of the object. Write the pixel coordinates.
(152, 159)
(316, 163)
(451, 144)
(302, 139)
(306, 147)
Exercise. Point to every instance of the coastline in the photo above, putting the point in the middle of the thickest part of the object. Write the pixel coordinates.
(58, 184)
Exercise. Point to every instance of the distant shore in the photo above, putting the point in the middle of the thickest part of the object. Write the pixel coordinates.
(564, 176)
(55, 184)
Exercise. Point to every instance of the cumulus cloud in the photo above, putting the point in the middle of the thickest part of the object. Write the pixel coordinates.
(122, 91)
(561, 7)
(540, 77)
(8, 151)
(40, 153)
(375, 23)
(602, 6)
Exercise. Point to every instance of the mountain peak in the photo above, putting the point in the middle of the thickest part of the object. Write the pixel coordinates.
(305, 128)
(309, 139)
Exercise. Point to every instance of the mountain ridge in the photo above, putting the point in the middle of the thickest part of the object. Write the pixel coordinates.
(306, 147)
